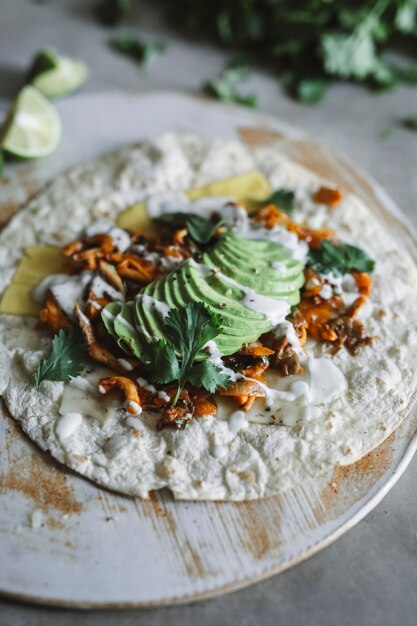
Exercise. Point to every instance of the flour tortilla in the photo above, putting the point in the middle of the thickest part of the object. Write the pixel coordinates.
(206, 460)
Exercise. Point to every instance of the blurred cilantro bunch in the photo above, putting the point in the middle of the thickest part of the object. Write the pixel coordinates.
(309, 43)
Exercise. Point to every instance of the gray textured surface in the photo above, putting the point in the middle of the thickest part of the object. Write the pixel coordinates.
(370, 575)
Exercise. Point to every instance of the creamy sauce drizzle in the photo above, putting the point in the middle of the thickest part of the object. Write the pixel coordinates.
(67, 424)
(101, 288)
(274, 309)
(149, 303)
(67, 290)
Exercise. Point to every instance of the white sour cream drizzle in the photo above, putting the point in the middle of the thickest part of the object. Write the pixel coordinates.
(150, 304)
(134, 406)
(123, 322)
(67, 290)
(121, 238)
(101, 288)
(321, 382)
(273, 309)
(238, 421)
(216, 359)
(287, 330)
(125, 364)
(67, 424)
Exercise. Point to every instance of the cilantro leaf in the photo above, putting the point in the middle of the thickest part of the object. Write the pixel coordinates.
(350, 55)
(310, 91)
(200, 229)
(339, 259)
(163, 362)
(317, 42)
(191, 327)
(283, 199)
(111, 12)
(406, 16)
(66, 359)
(207, 375)
(411, 122)
(187, 329)
(225, 87)
(140, 51)
(387, 132)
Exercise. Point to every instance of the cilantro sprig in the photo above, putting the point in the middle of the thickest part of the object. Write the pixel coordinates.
(181, 358)
(66, 359)
(339, 259)
(200, 229)
(282, 198)
(309, 44)
(135, 48)
(111, 12)
(225, 86)
(411, 122)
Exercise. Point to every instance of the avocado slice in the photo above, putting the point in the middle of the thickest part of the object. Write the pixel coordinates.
(248, 263)
(124, 326)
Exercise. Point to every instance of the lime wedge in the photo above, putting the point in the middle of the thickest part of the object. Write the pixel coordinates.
(32, 128)
(67, 76)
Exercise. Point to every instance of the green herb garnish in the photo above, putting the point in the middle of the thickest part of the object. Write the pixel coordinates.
(225, 87)
(111, 12)
(188, 329)
(411, 122)
(282, 198)
(200, 229)
(140, 51)
(387, 132)
(339, 259)
(312, 42)
(66, 359)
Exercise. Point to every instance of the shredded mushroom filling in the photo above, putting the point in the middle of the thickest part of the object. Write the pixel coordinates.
(325, 319)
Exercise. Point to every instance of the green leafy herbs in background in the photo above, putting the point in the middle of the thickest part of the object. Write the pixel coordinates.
(283, 200)
(200, 229)
(339, 259)
(136, 49)
(66, 359)
(188, 329)
(225, 87)
(111, 12)
(411, 123)
(309, 43)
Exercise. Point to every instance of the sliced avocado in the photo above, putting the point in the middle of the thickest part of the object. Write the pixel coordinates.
(124, 326)
(249, 264)
(108, 315)
(288, 266)
(152, 319)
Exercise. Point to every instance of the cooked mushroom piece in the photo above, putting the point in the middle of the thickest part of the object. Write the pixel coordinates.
(127, 387)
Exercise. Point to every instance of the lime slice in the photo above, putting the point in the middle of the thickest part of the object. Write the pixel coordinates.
(33, 127)
(67, 76)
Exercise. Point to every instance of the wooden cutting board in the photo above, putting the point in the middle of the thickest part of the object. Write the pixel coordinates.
(65, 541)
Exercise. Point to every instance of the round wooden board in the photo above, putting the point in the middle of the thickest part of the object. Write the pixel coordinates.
(92, 548)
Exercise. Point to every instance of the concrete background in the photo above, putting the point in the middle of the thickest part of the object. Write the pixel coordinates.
(369, 576)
